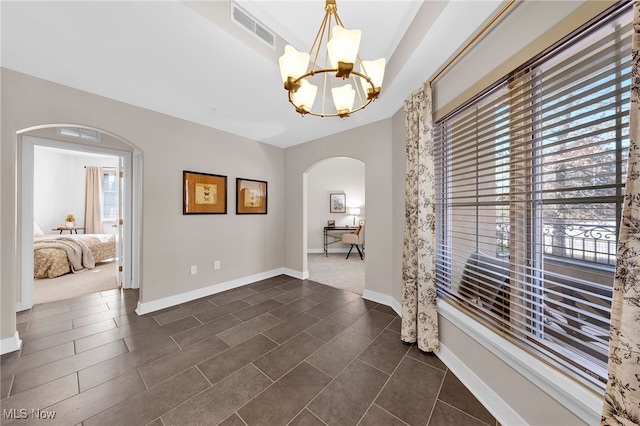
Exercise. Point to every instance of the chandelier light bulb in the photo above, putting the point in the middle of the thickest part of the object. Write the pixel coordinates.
(343, 46)
(343, 98)
(304, 97)
(375, 71)
(293, 63)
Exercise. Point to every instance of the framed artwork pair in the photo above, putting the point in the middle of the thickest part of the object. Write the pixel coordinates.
(205, 193)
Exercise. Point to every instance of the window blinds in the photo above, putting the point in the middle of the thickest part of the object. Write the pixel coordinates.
(530, 179)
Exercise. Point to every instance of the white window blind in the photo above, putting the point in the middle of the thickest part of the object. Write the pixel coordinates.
(530, 182)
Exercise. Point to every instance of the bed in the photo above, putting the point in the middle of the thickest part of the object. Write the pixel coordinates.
(56, 255)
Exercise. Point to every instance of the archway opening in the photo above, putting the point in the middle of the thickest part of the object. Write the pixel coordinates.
(87, 141)
(335, 205)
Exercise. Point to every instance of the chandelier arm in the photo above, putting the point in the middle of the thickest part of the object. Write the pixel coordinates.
(317, 43)
(316, 114)
(328, 30)
(357, 88)
(337, 17)
(324, 92)
(327, 70)
(364, 70)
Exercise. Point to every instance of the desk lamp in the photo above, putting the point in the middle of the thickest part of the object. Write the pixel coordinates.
(354, 212)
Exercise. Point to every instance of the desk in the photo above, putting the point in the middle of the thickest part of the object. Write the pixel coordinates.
(71, 230)
(334, 238)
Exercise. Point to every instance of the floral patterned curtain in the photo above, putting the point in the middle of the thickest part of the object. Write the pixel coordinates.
(419, 314)
(622, 397)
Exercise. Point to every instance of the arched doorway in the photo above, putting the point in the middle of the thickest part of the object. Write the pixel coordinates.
(344, 179)
(106, 143)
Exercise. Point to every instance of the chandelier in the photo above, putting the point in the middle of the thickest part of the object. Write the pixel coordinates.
(339, 56)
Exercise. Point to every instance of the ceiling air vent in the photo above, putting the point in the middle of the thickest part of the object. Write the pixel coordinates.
(249, 23)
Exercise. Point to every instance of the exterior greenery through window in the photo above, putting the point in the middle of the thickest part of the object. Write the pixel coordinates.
(530, 179)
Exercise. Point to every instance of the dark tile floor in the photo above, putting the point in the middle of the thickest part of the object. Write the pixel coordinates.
(276, 352)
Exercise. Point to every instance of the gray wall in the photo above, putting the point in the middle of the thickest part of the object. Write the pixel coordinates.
(399, 165)
(245, 245)
(372, 145)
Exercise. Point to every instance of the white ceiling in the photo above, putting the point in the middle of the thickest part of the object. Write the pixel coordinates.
(188, 60)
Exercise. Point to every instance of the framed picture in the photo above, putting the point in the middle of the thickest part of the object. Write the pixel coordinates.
(203, 193)
(331, 224)
(251, 196)
(337, 203)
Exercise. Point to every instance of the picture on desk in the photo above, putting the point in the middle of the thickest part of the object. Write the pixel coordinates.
(331, 223)
(337, 203)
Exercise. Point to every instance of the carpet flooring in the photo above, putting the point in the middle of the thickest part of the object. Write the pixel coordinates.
(336, 271)
(101, 278)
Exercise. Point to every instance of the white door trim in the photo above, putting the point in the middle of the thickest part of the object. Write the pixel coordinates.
(132, 209)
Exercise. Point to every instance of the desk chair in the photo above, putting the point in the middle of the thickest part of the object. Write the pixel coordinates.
(355, 239)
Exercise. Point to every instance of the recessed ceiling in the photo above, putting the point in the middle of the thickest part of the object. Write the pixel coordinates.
(189, 60)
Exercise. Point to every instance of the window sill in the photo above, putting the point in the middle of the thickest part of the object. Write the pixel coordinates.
(580, 400)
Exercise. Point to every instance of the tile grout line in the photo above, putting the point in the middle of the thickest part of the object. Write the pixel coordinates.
(444, 377)
(255, 396)
(343, 369)
(462, 411)
(373, 400)
(323, 344)
(386, 411)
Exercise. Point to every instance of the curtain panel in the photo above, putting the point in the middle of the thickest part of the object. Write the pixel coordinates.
(622, 397)
(419, 312)
(93, 201)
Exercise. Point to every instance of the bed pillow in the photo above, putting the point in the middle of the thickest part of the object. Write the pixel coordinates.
(37, 232)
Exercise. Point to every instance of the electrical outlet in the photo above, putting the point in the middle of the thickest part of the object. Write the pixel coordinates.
(194, 269)
(216, 264)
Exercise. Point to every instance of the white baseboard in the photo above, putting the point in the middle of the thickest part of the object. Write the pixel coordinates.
(10, 344)
(166, 302)
(22, 306)
(483, 393)
(331, 250)
(296, 274)
(581, 401)
(384, 299)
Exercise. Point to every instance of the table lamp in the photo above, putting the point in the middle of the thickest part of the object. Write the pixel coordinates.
(354, 212)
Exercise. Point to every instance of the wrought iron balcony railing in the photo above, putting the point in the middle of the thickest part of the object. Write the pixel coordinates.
(588, 242)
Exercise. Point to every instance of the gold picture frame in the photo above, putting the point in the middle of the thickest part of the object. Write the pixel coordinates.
(251, 196)
(203, 193)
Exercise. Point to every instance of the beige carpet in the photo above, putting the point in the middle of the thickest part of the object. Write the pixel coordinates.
(336, 271)
(102, 277)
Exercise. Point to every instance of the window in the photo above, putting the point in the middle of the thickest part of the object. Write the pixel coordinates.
(530, 183)
(110, 195)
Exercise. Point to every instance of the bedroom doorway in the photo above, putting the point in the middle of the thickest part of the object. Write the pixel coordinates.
(108, 150)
